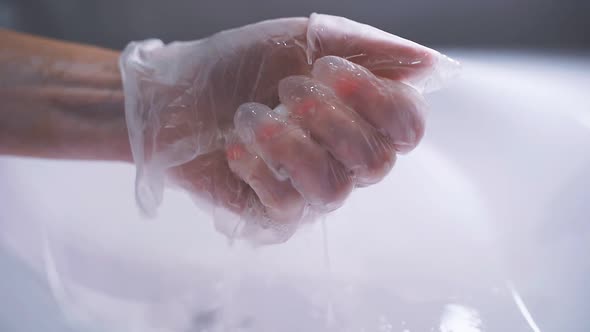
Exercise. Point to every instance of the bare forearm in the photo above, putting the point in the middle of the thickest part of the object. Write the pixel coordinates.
(60, 100)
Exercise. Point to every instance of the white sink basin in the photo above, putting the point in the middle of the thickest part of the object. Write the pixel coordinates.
(485, 227)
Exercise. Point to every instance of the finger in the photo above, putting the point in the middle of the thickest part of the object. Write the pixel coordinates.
(392, 107)
(382, 53)
(348, 137)
(282, 202)
(290, 152)
(209, 178)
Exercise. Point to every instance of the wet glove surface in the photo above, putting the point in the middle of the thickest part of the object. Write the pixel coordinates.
(275, 122)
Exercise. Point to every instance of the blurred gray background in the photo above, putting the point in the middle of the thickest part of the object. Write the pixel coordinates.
(539, 24)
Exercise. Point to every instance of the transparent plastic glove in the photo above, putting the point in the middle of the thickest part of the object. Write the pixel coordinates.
(277, 121)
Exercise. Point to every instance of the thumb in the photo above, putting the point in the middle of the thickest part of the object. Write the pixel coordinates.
(384, 54)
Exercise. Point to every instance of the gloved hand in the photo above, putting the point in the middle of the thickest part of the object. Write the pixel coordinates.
(276, 121)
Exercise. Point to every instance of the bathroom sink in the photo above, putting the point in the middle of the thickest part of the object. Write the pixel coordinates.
(484, 227)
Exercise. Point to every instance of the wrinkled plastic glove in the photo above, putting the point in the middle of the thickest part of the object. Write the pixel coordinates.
(275, 122)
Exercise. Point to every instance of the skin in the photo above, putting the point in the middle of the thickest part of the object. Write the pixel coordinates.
(60, 100)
